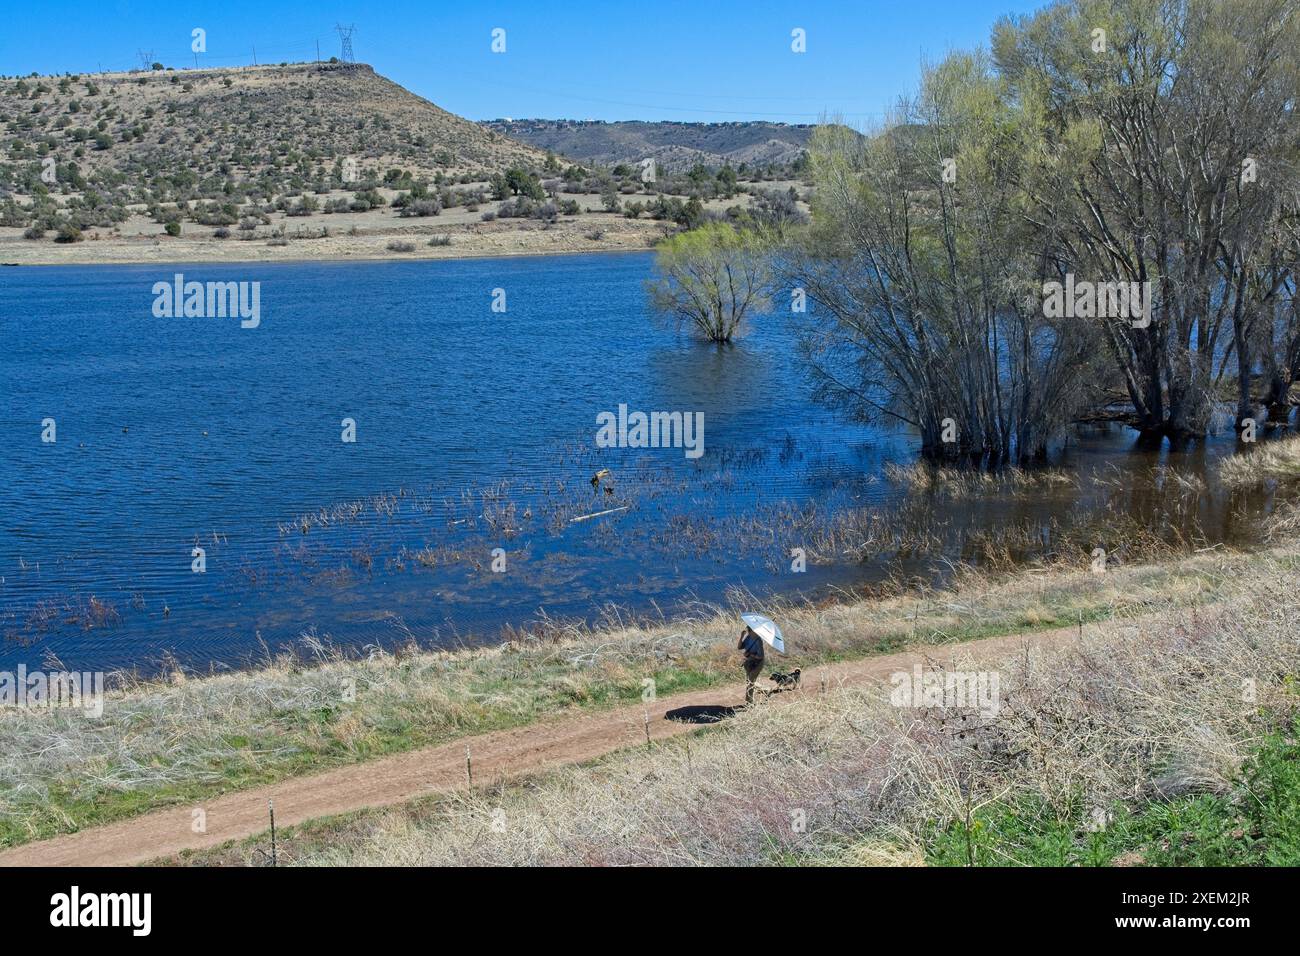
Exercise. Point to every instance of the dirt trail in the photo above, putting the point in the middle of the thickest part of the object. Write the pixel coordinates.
(496, 755)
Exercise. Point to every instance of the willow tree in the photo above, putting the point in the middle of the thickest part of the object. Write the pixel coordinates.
(713, 279)
(927, 279)
(1167, 135)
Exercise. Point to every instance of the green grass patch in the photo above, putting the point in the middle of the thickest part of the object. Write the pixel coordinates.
(1256, 823)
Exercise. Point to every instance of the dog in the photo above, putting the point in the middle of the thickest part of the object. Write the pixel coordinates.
(788, 681)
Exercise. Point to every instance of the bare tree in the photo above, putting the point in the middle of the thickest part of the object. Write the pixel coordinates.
(927, 282)
(1167, 132)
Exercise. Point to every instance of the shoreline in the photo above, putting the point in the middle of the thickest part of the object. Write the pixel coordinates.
(309, 260)
(413, 698)
(126, 253)
(506, 755)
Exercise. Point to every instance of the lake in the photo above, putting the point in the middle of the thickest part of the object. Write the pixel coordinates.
(465, 503)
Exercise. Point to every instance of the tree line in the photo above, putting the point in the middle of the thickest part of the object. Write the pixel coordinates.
(1135, 153)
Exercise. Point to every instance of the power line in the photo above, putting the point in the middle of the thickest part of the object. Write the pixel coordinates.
(300, 51)
(345, 35)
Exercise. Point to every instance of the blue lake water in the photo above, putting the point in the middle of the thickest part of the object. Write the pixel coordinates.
(475, 430)
(182, 431)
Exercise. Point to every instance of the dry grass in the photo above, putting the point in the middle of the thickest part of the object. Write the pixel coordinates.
(1284, 524)
(185, 737)
(959, 483)
(1271, 461)
(1116, 716)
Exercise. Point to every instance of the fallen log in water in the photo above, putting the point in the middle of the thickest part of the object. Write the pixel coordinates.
(597, 514)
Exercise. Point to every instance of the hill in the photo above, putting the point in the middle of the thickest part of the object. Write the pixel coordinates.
(165, 135)
(313, 161)
(674, 146)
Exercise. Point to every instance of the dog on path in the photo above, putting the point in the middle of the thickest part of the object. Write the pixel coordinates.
(788, 681)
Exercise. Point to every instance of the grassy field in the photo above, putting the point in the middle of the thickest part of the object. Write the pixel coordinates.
(177, 741)
(1253, 819)
(1169, 743)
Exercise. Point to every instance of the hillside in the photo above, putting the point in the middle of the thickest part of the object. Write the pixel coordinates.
(165, 135)
(314, 161)
(674, 146)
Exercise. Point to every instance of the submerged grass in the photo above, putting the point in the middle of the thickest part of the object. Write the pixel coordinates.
(1268, 461)
(959, 483)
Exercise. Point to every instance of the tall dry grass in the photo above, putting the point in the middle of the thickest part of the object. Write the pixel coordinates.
(1269, 461)
(187, 736)
(1121, 714)
(960, 483)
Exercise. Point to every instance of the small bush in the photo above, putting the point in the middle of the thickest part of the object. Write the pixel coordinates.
(421, 207)
(305, 206)
(368, 199)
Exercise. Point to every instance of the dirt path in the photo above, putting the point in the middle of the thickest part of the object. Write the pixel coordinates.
(501, 754)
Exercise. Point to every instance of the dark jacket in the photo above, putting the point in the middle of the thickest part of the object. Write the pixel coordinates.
(752, 645)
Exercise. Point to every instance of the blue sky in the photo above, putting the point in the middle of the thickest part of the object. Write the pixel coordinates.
(700, 61)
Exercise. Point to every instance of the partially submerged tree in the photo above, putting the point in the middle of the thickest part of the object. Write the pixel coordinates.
(1136, 146)
(1166, 151)
(713, 278)
(926, 280)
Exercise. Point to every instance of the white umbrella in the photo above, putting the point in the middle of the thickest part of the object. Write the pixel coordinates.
(765, 628)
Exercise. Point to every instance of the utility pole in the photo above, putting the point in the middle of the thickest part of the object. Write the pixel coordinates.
(254, 54)
(345, 35)
(318, 52)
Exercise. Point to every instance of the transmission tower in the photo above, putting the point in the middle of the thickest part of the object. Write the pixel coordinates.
(146, 58)
(345, 35)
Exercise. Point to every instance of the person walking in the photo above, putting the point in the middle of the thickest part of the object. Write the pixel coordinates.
(752, 645)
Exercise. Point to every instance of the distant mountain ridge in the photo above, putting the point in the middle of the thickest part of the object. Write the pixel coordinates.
(674, 145)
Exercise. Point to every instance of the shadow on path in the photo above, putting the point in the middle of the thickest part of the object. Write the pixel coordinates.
(702, 714)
